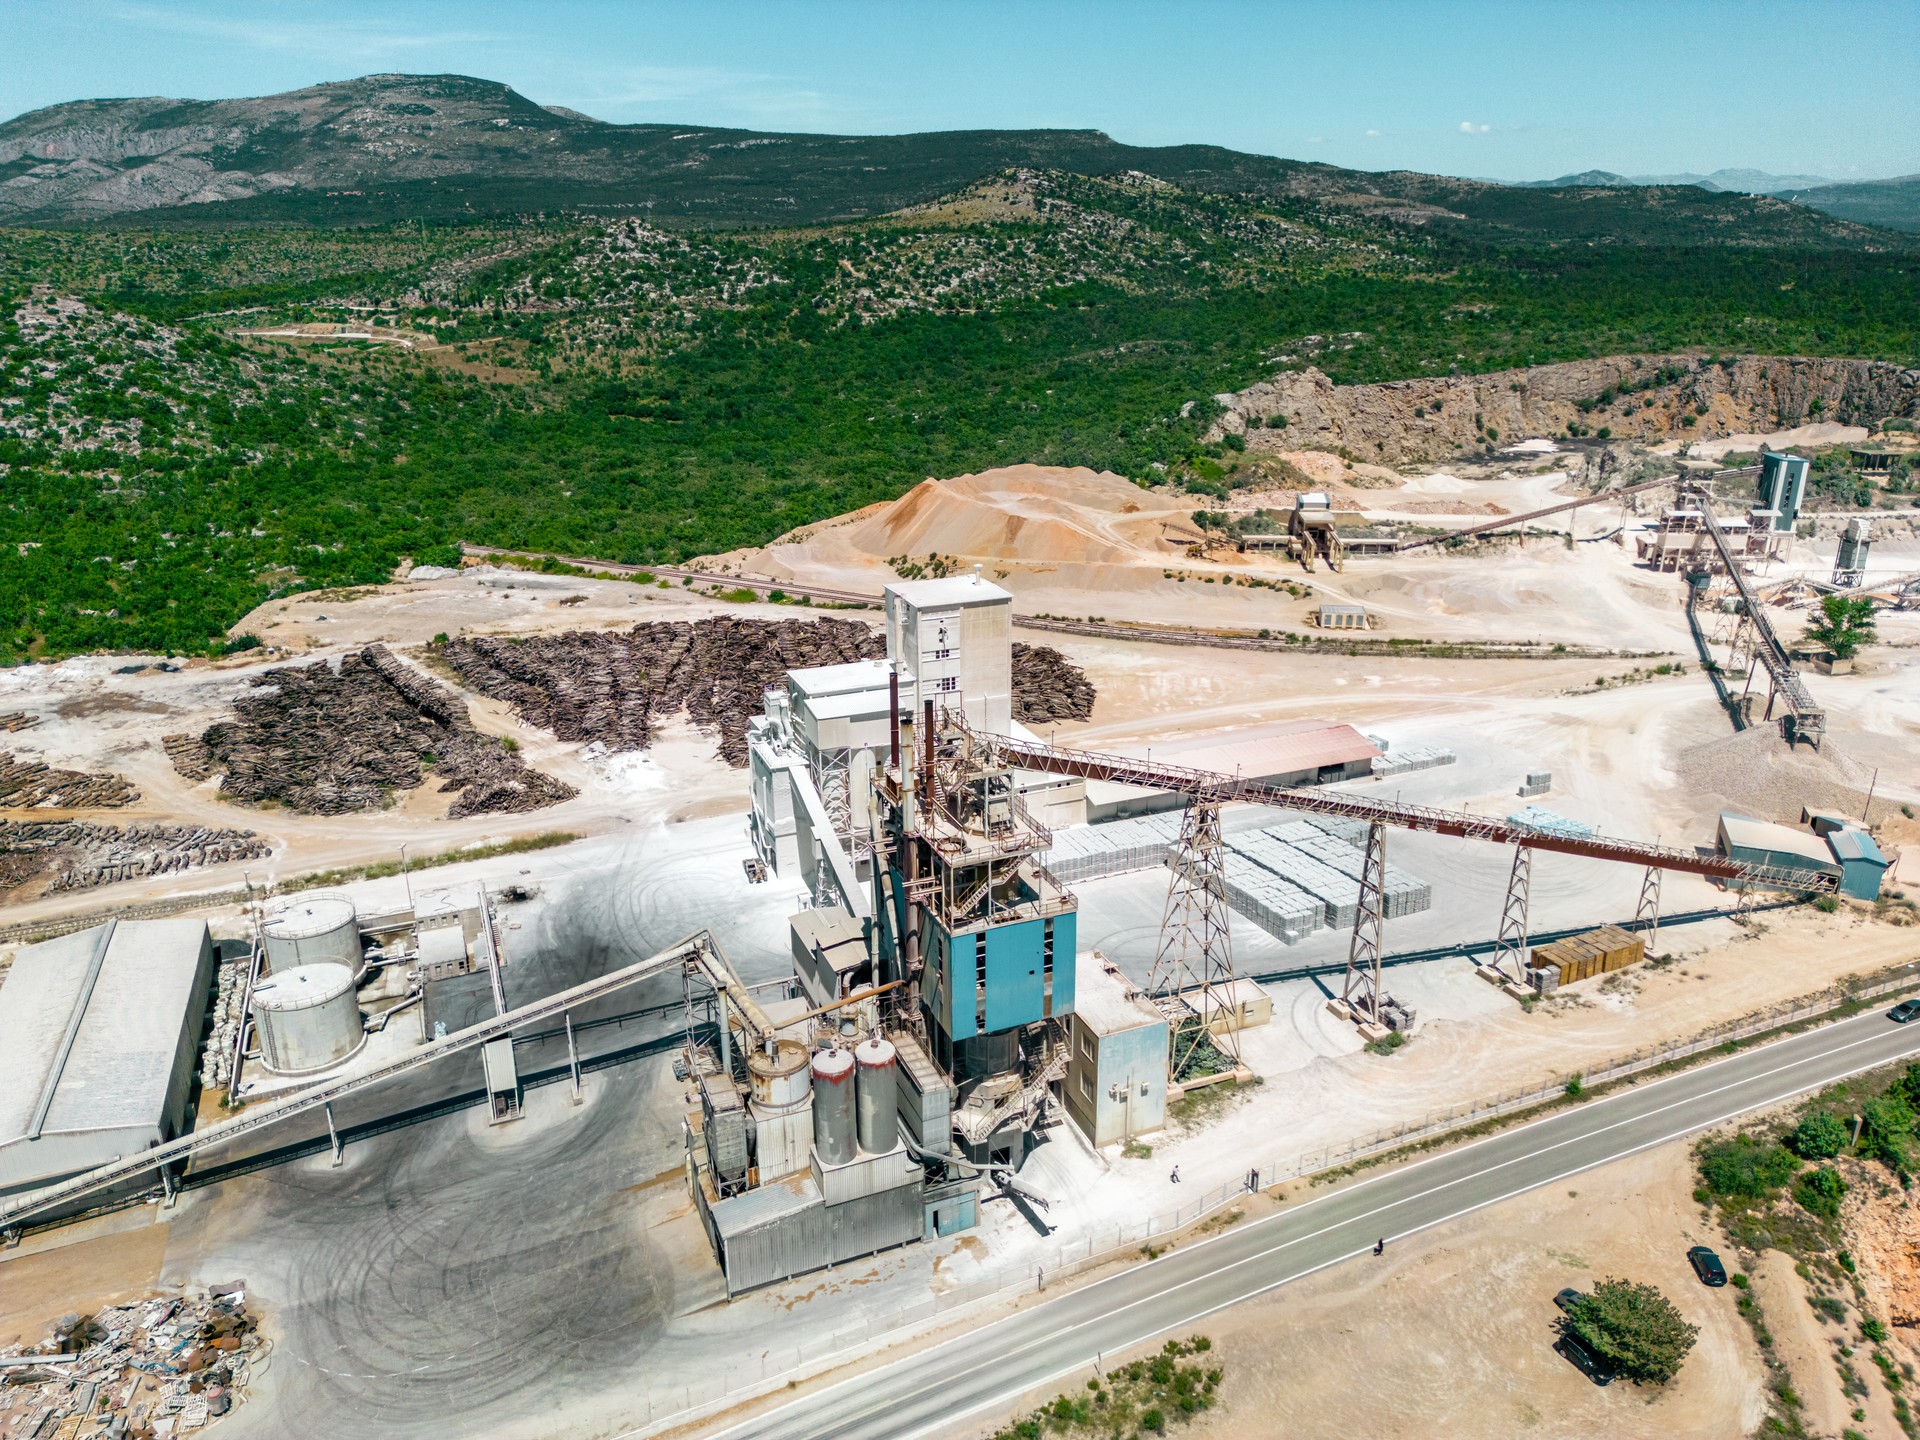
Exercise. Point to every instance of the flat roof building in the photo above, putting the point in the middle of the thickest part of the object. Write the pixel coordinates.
(98, 1036)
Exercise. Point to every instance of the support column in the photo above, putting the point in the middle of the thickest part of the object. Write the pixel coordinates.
(333, 1134)
(1510, 950)
(1195, 960)
(1647, 916)
(1360, 990)
(573, 1056)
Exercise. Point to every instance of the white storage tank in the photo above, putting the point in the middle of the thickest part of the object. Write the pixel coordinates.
(308, 1018)
(320, 931)
(879, 1095)
(779, 1104)
(833, 1125)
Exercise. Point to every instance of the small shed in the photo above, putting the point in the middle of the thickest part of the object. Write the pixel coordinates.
(1116, 1081)
(1862, 865)
(1335, 616)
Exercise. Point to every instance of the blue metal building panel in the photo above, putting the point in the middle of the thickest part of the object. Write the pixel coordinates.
(1065, 936)
(960, 979)
(1016, 984)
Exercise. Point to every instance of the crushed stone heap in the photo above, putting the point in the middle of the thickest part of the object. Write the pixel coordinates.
(332, 742)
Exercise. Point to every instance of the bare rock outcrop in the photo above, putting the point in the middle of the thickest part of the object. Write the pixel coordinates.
(1650, 397)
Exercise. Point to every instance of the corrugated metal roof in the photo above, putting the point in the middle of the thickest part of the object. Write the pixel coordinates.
(126, 1026)
(816, 681)
(768, 1205)
(1286, 750)
(1745, 833)
(1854, 845)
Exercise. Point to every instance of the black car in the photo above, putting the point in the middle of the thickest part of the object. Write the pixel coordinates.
(1568, 1298)
(1707, 1266)
(1584, 1360)
(1903, 1012)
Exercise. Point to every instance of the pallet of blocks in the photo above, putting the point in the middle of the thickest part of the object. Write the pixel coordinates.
(1581, 957)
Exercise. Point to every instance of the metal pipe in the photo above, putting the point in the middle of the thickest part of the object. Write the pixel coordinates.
(840, 1004)
(893, 717)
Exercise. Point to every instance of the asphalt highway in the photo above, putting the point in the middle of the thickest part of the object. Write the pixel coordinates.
(928, 1392)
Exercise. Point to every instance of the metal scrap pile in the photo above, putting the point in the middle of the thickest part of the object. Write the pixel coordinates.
(141, 1372)
(27, 785)
(331, 742)
(82, 854)
(617, 687)
(1048, 687)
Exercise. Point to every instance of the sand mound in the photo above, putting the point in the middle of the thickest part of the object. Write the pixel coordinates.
(1756, 773)
(1033, 514)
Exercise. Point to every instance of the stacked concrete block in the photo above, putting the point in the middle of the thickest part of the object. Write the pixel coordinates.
(1284, 912)
(1413, 757)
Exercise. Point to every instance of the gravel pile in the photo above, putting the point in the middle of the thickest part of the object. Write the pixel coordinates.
(1756, 773)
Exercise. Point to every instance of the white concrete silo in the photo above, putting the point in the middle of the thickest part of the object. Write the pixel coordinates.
(308, 1018)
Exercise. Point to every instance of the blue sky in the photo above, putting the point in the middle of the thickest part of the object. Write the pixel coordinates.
(1509, 90)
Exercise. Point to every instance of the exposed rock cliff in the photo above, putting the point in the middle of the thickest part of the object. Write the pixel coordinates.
(1652, 397)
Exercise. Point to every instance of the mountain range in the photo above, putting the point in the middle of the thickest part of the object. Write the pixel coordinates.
(391, 147)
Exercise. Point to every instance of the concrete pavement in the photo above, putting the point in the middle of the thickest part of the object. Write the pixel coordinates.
(927, 1393)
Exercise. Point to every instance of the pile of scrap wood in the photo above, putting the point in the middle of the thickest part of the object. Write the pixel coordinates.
(332, 742)
(618, 687)
(29, 785)
(1048, 687)
(17, 720)
(81, 854)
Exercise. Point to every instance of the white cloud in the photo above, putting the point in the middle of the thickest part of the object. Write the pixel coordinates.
(1316, 140)
(1467, 127)
(357, 42)
(1372, 134)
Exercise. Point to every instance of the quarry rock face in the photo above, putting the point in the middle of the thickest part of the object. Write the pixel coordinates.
(1635, 396)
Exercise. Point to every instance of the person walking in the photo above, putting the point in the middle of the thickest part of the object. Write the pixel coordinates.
(1380, 1246)
(1174, 1178)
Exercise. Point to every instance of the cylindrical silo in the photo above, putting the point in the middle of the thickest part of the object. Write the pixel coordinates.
(320, 931)
(308, 1018)
(833, 1126)
(780, 1088)
(879, 1127)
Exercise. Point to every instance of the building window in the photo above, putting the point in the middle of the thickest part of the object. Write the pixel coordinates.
(1086, 1087)
(949, 683)
(943, 654)
(1086, 1043)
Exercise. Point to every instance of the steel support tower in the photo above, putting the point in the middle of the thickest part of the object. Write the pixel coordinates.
(1192, 975)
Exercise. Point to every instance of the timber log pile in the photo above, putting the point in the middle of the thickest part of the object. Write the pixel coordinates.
(618, 687)
(29, 785)
(81, 854)
(11, 720)
(333, 742)
(1048, 687)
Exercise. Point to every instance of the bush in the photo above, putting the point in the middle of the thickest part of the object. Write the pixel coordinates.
(1744, 1168)
(1236, 442)
(1820, 1136)
(1819, 1191)
(1634, 1328)
(1886, 1130)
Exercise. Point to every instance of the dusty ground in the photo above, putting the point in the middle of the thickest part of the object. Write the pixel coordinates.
(1451, 1333)
(103, 1262)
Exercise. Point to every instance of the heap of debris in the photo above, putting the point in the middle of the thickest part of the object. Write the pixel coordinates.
(81, 854)
(11, 720)
(332, 742)
(29, 785)
(618, 687)
(1048, 687)
(160, 1367)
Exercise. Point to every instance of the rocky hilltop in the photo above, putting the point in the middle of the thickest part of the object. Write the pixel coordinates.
(387, 147)
(1652, 397)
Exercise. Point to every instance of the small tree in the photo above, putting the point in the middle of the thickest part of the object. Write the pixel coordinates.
(1635, 1329)
(1821, 1136)
(1886, 1131)
(1844, 625)
(1819, 1191)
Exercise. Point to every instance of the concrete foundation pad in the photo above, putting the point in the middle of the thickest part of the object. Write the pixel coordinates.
(1490, 975)
(1517, 991)
(1370, 1032)
(1341, 1009)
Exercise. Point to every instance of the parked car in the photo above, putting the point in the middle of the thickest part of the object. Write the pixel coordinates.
(1568, 1298)
(1906, 1010)
(1707, 1266)
(1584, 1360)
